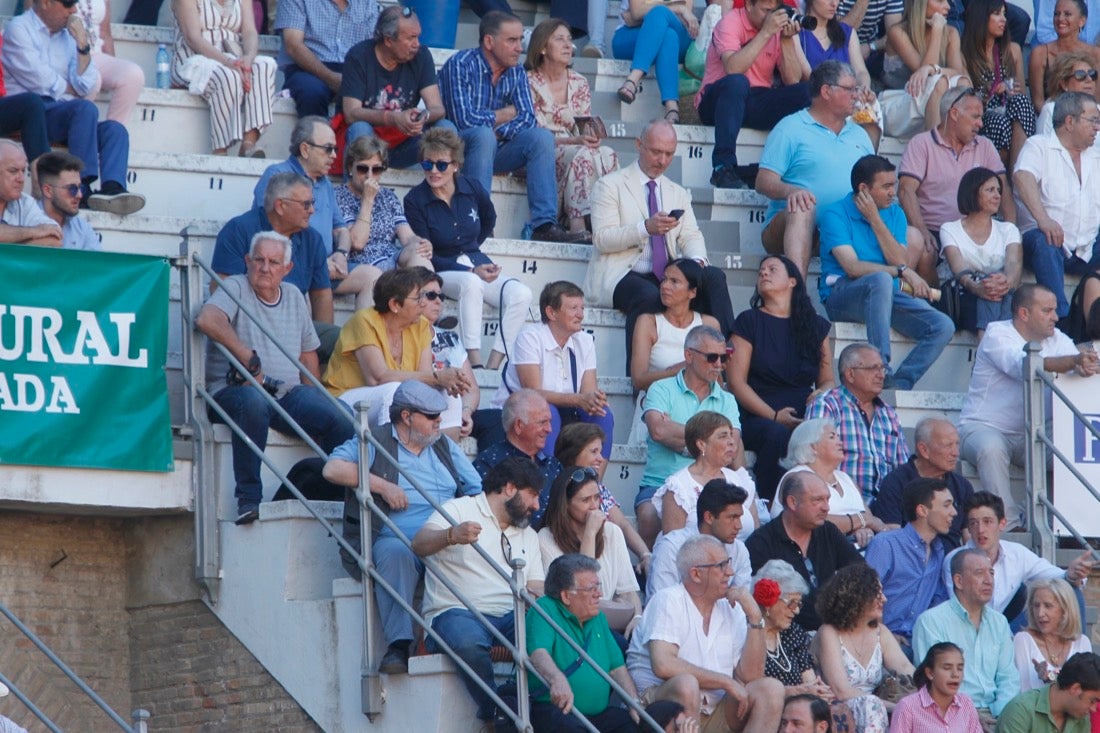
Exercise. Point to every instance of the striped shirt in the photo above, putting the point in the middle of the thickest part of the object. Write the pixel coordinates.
(876, 10)
(471, 98)
(919, 713)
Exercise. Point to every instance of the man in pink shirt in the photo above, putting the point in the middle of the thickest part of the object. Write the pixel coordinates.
(748, 46)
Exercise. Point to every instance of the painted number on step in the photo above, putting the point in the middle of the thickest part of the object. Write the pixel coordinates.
(695, 151)
(624, 472)
(148, 114)
(617, 129)
(733, 262)
(131, 177)
(490, 328)
(756, 216)
(531, 266)
(216, 183)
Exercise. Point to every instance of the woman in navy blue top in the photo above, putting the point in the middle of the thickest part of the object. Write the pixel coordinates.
(456, 214)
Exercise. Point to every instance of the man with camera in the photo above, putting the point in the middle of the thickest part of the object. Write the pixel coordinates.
(748, 46)
(276, 308)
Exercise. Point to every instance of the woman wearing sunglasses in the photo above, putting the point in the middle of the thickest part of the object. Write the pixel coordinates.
(714, 444)
(574, 522)
(1070, 72)
(1070, 17)
(456, 214)
(381, 238)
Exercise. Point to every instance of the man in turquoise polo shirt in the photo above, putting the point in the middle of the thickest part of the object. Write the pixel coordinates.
(572, 600)
(866, 264)
(1061, 707)
(668, 405)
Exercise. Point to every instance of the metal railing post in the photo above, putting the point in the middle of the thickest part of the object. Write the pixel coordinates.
(371, 681)
(139, 717)
(1035, 464)
(523, 701)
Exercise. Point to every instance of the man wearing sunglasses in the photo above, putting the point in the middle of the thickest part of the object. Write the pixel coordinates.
(384, 81)
(22, 221)
(935, 161)
(47, 52)
(59, 181)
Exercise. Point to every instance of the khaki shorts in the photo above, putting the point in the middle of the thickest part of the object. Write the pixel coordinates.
(713, 723)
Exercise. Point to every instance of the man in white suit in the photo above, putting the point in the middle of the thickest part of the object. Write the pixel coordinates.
(641, 221)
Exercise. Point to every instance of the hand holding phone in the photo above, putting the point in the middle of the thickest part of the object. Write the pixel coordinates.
(676, 213)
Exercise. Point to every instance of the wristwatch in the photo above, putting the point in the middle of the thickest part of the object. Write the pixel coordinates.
(758, 625)
(901, 269)
(85, 50)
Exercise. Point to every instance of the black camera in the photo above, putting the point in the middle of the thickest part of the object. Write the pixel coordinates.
(807, 22)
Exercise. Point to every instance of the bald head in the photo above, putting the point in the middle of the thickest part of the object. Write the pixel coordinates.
(13, 168)
(656, 148)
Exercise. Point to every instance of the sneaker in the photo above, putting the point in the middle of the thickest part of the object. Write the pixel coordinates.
(247, 514)
(114, 199)
(396, 660)
(726, 177)
(591, 52)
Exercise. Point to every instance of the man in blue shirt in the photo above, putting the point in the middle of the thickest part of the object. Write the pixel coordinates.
(990, 677)
(439, 468)
(59, 184)
(864, 257)
(908, 560)
(488, 97)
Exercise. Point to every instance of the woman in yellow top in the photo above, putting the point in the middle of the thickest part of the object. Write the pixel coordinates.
(387, 344)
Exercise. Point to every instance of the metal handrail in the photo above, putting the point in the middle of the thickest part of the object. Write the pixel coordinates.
(372, 692)
(68, 672)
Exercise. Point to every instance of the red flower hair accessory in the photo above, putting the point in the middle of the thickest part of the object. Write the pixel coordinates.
(766, 593)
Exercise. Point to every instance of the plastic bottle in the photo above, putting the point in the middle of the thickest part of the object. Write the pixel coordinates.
(164, 63)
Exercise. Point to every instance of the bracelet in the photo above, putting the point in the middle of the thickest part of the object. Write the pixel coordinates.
(450, 540)
(852, 522)
(775, 415)
(862, 521)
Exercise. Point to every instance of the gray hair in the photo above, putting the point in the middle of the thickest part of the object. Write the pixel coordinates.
(271, 236)
(923, 432)
(518, 406)
(280, 184)
(851, 354)
(562, 573)
(8, 143)
(952, 97)
(1070, 104)
(303, 132)
(826, 74)
(389, 19)
(784, 575)
(793, 483)
(697, 336)
(654, 125)
(800, 448)
(958, 560)
(694, 552)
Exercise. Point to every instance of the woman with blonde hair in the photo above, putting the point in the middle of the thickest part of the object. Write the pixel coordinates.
(1070, 17)
(1070, 72)
(1053, 633)
(562, 97)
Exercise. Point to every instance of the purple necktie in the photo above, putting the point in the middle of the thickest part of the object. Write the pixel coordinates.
(656, 241)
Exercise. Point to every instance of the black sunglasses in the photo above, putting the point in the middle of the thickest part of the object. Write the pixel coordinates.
(440, 165)
(711, 358)
(429, 415)
(579, 475)
(68, 3)
(73, 189)
(329, 149)
(364, 169)
(1081, 74)
(968, 92)
(433, 295)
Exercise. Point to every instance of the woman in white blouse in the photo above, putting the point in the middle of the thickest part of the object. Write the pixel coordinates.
(984, 254)
(1053, 633)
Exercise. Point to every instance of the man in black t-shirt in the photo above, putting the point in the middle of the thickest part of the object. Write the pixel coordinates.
(385, 79)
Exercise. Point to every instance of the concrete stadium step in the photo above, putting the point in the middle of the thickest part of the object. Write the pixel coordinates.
(949, 373)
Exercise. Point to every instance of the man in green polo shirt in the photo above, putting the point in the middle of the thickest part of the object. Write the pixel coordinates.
(572, 599)
(1061, 707)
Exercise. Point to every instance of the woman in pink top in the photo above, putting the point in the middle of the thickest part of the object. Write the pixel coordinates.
(937, 704)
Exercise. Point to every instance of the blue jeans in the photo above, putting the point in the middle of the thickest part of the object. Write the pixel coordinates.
(730, 104)
(103, 146)
(862, 301)
(533, 148)
(560, 416)
(471, 641)
(25, 113)
(1050, 265)
(661, 40)
(311, 95)
(406, 154)
(395, 562)
(322, 421)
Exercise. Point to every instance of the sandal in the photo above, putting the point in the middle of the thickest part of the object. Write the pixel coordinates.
(629, 91)
(672, 115)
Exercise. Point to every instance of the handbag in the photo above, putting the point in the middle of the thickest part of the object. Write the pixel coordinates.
(894, 687)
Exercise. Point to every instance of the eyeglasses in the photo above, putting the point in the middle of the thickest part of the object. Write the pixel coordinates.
(73, 189)
(329, 149)
(809, 565)
(433, 295)
(593, 590)
(406, 12)
(968, 92)
(854, 89)
(721, 564)
(581, 474)
(710, 357)
(1094, 121)
(795, 604)
(308, 204)
(506, 548)
(363, 169)
(429, 415)
(440, 165)
(872, 368)
(1081, 74)
(68, 3)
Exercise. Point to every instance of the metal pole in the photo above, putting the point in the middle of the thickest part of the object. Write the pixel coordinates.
(370, 681)
(1035, 465)
(523, 701)
(139, 717)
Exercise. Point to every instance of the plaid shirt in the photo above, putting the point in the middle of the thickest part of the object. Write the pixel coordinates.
(872, 449)
(471, 98)
(329, 32)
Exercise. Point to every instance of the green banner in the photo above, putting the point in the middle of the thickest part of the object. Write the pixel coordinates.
(83, 339)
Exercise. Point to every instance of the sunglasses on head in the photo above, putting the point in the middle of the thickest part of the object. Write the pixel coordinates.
(968, 92)
(364, 169)
(439, 165)
(1081, 74)
(581, 474)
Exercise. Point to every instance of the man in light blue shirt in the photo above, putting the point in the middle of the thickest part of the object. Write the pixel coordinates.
(990, 677)
(439, 468)
(908, 560)
(59, 181)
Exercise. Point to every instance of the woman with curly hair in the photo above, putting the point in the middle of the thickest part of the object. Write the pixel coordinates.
(854, 647)
(996, 66)
(781, 360)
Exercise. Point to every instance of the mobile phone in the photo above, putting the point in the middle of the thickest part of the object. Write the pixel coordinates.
(416, 115)
(676, 213)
